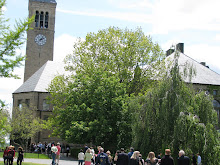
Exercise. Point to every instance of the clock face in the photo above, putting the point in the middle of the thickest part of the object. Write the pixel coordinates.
(40, 39)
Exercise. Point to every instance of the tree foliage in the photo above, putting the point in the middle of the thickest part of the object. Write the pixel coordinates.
(106, 67)
(10, 41)
(4, 123)
(25, 125)
(172, 115)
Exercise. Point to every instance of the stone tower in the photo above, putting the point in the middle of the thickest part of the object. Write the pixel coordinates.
(40, 39)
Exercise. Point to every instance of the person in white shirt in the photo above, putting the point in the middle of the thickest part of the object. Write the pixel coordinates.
(199, 159)
(81, 157)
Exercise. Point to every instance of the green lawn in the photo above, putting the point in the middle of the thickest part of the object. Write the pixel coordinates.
(30, 155)
(24, 163)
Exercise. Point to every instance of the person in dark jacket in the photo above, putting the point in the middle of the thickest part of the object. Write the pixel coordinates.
(20, 156)
(183, 160)
(122, 158)
(167, 159)
(194, 162)
(102, 158)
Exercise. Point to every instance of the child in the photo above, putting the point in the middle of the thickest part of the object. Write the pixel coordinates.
(81, 157)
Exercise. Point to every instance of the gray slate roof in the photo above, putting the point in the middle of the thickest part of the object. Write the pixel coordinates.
(40, 80)
(46, 1)
(204, 75)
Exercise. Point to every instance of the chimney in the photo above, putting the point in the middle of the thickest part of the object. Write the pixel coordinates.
(203, 63)
(180, 47)
(169, 52)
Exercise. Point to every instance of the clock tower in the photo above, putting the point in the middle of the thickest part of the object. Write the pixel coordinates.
(40, 39)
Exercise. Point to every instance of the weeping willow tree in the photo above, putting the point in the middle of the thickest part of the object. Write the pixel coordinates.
(171, 115)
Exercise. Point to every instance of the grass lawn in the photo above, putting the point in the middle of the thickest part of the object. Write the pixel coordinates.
(30, 155)
(24, 163)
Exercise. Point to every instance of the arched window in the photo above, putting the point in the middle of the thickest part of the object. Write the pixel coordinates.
(42, 19)
(46, 20)
(37, 19)
(216, 104)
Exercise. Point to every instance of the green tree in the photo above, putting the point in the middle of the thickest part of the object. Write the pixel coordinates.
(25, 125)
(10, 41)
(172, 115)
(91, 104)
(4, 124)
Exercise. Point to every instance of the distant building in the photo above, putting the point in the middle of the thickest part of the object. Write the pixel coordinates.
(205, 79)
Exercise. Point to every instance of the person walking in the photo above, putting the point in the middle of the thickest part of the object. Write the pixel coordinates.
(135, 160)
(88, 157)
(183, 160)
(102, 158)
(199, 159)
(54, 151)
(131, 152)
(194, 162)
(11, 155)
(5, 155)
(110, 158)
(167, 159)
(92, 152)
(81, 156)
(58, 153)
(20, 156)
(151, 159)
(122, 158)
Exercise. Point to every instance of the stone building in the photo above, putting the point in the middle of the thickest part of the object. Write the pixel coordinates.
(39, 66)
(205, 79)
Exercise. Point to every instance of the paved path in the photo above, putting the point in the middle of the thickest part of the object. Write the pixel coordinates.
(63, 161)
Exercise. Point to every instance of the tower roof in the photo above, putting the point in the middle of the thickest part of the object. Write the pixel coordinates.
(46, 1)
(40, 80)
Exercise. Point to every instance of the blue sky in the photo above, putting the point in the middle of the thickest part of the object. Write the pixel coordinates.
(195, 23)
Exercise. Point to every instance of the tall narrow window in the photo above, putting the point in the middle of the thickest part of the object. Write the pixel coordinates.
(46, 20)
(27, 102)
(20, 104)
(37, 19)
(42, 19)
(46, 106)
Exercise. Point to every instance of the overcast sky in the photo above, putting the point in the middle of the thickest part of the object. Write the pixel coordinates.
(196, 23)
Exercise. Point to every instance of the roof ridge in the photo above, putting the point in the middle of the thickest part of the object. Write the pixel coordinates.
(201, 64)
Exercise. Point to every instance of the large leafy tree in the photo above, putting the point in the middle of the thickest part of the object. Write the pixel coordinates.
(10, 41)
(90, 105)
(25, 125)
(4, 124)
(173, 115)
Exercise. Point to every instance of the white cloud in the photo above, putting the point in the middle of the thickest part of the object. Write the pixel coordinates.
(63, 46)
(127, 16)
(205, 53)
(132, 4)
(217, 37)
(164, 16)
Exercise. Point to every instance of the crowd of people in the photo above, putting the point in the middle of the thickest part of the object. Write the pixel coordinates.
(9, 155)
(88, 157)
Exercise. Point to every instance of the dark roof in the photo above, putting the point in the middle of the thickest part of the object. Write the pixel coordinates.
(46, 1)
